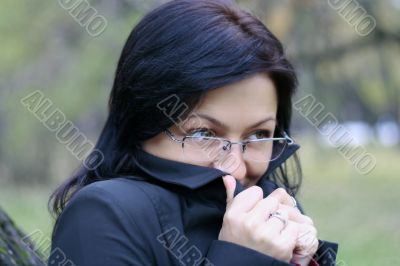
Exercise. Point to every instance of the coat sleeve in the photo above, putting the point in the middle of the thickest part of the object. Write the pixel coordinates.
(93, 230)
(326, 253)
(227, 253)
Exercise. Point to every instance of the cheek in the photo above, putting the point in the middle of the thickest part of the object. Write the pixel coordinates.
(256, 170)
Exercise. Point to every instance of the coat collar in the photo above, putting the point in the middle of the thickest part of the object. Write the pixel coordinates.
(193, 176)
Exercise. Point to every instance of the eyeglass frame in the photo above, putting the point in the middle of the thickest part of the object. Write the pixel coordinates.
(285, 137)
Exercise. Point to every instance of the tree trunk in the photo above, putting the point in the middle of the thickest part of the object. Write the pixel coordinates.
(15, 248)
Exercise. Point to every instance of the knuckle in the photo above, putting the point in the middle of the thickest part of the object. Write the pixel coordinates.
(281, 191)
(298, 212)
(315, 246)
(229, 218)
(257, 191)
(313, 230)
(306, 242)
(273, 201)
(249, 225)
(309, 220)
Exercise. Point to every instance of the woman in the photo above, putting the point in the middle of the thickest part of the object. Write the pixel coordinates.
(195, 151)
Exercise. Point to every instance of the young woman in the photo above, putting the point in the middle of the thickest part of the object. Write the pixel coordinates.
(195, 152)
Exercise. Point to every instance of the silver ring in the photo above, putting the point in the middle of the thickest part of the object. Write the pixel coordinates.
(294, 202)
(279, 215)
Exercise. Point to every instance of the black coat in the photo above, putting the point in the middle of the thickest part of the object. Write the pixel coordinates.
(167, 213)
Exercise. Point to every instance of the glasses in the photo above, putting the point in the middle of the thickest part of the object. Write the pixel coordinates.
(208, 149)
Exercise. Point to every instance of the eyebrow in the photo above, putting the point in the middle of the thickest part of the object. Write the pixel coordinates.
(221, 124)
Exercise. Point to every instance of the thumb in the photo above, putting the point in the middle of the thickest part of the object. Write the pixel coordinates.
(230, 185)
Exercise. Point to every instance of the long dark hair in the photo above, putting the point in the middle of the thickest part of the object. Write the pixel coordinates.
(183, 48)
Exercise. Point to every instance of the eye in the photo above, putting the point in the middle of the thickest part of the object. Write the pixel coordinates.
(260, 134)
(201, 133)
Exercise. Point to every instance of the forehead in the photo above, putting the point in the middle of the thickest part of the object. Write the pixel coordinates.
(250, 100)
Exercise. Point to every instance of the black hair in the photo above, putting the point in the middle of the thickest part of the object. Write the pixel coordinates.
(183, 48)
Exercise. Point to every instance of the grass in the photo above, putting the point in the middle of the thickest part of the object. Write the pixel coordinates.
(360, 212)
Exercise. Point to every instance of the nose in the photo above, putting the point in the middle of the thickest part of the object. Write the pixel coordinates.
(233, 163)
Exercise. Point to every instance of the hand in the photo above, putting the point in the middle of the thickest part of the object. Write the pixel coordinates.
(246, 222)
(307, 241)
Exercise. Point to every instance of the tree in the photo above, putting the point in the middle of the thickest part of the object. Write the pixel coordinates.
(15, 248)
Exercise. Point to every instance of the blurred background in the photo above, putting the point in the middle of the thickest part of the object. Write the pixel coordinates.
(347, 55)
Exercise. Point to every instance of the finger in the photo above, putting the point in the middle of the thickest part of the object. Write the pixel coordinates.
(230, 185)
(306, 240)
(264, 208)
(274, 225)
(246, 200)
(295, 215)
(290, 234)
(282, 196)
